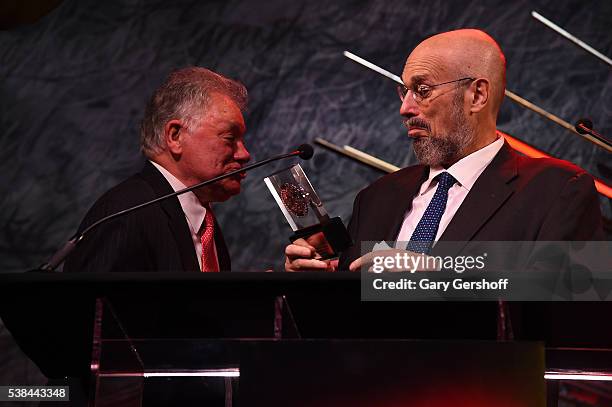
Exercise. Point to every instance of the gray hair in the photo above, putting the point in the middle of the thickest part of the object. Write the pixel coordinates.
(185, 94)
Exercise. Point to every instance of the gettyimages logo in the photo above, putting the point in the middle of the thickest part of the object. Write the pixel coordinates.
(384, 258)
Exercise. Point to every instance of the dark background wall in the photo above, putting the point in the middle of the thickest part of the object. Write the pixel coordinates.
(74, 84)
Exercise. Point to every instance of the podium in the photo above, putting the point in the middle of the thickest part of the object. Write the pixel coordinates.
(251, 337)
(137, 362)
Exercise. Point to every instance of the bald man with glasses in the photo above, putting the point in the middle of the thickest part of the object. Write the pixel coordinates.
(470, 184)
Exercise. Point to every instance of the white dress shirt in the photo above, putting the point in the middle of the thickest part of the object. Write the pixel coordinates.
(192, 208)
(466, 171)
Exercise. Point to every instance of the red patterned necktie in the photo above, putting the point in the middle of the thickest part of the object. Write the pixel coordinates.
(209, 260)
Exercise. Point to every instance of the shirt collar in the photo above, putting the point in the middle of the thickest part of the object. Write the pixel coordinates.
(467, 170)
(192, 207)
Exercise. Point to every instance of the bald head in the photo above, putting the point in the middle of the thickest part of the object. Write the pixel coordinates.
(456, 83)
(465, 53)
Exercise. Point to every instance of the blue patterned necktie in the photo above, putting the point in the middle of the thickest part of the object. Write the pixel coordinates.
(425, 233)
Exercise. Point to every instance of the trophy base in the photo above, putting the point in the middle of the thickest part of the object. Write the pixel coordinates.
(328, 238)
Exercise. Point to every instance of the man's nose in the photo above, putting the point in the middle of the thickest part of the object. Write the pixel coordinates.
(241, 154)
(409, 107)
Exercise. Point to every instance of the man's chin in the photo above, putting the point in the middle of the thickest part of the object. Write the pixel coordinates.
(431, 152)
(228, 189)
(425, 153)
(219, 192)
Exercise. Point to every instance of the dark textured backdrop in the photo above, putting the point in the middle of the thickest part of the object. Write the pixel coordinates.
(74, 85)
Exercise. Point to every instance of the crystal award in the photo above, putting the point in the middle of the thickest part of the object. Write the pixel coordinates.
(306, 214)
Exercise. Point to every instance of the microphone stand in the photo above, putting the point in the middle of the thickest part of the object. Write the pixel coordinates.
(304, 151)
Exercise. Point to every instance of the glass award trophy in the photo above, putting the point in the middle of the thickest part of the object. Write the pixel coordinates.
(305, 213)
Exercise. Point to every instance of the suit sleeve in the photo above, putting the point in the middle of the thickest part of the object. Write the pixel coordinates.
(353, 252)
(576, 214)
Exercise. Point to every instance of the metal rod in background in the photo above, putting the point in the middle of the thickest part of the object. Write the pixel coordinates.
(570, 37)
(511, 95)
(358, 155)
(373, 67)
(557, 120)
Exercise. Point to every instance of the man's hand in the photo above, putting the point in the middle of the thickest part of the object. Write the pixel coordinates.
(410, 261)
(301, 256)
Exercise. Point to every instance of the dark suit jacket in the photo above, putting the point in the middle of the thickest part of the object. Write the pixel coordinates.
(155, 238)
(516, 198)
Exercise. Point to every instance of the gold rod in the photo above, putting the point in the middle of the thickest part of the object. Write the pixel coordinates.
(374, 160)
(533, 107)
(358, 155)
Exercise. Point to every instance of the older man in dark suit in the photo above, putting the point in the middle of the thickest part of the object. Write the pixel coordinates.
(470, 185)
(192, 131)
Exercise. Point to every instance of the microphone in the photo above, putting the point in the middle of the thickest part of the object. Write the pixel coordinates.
(304, 151)
(585, 126)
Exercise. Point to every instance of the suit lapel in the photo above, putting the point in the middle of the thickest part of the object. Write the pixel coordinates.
(399, 203)
(489, 192)
(176, 218)
(222, 253)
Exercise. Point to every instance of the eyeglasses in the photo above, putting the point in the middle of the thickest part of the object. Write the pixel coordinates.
(423, 91)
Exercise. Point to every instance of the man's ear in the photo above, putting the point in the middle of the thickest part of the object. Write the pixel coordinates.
(481, 89)
(174, 131)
